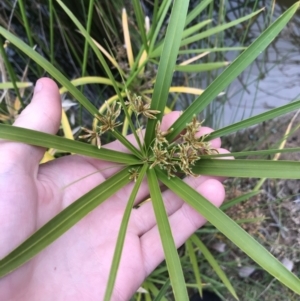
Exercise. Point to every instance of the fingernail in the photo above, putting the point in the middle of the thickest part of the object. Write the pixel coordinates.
(38, 86)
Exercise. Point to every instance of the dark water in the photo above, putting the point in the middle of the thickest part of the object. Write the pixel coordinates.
(273, 80)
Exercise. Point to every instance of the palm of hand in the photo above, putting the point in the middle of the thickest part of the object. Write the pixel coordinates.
(76, 266)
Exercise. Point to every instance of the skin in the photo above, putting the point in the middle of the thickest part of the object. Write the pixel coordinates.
(76, 266)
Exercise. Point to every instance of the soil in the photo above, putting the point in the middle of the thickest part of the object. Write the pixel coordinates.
(276, 210)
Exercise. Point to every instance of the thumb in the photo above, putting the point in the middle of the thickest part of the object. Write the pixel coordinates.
(42, 114)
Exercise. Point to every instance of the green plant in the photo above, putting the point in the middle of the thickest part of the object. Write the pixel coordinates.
(157, 156)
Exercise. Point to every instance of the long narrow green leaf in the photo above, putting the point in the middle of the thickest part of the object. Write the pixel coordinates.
(191, 30)
(10, 70)
(156, 27)
(166, 65)
(86, 44)
(27, 136)
(214, 264)
(194, 262)
(217, 49)
(171, 255)
(26, 24)
(232, 230)
(62, 222)
(51, 32)
(208, 33)
(122, 233)
(200, 67)
(217, 29)
(197, 11)
(232, 71)
(127, 143)
(249, 168)
(10, 85)
(255, 120)
(50, 69)
(162, 291)
(239, 199)
(255, 153)
(140, 17)
(65, 34)
(153, 290)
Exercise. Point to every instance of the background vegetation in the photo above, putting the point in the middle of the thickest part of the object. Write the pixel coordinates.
(263, 207)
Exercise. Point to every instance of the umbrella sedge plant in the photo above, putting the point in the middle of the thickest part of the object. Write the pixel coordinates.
(160, 156)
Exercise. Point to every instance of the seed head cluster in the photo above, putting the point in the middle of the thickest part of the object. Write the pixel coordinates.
(139, 106)
(174, 157)
(182, 154)
(108, 122)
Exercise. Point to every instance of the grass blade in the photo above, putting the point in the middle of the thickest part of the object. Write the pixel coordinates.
(171, 255)
(19, 85)
(217, 49)
(27, 136)
(239, 199)
(249, 168)
(194, 262)
(193, 68)
(86, 44)
(191, 30)
(197, 11)
(214, 264)
(232, 71)
(219, 28)
(167, 64)
(140, 17)
(121, 235)
(26, 24)
(232, 230)
(208, 33)
(50, 69)
(156, 27)
(264, 152)
(255, 120)
(162, 291)
(51, 32)
(62, 222)
(10, 70)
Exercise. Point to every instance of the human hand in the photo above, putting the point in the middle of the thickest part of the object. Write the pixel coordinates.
(76, 266)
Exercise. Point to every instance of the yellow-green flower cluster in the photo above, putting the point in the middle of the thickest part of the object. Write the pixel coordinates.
(108, 122)
(180, 155)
